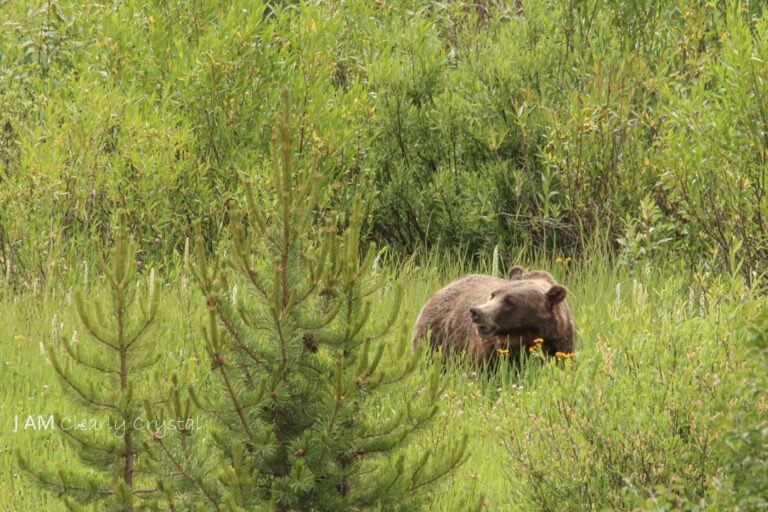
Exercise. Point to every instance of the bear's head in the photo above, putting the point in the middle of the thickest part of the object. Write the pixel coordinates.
(521, 306)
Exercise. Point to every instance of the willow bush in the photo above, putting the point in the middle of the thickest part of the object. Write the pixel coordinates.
(543, 124)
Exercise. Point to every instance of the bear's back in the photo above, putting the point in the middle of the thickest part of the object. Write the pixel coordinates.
(445, 316)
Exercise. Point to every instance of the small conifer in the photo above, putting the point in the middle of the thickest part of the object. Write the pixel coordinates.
(317, 393)
(101, 371)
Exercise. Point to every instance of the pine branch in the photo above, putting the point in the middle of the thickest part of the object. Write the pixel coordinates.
(81, 360)
(108, 460)
(236, 404)
(83, 443)
(213, 500)
(228, 325)
(90, 326)
(82, 395)
(304, 335)
(323, 321)
(134, 337)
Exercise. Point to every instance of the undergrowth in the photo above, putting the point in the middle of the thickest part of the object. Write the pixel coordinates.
(641, 417)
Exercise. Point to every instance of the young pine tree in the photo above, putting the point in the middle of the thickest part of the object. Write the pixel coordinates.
(315, 401)
(101, 373)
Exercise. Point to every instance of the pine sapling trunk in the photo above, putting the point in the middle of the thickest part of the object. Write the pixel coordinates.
(123, 352)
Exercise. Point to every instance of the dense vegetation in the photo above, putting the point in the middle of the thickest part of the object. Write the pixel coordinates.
(664, 406)
(622, 145)
(465, 124)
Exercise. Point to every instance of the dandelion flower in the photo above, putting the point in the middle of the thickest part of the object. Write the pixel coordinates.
(503, 351)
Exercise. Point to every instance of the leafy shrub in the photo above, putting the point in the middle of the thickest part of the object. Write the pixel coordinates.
(740, 481)
(743, 484)
(647, 236)
(537, 124)
(714, 149)
(636, 420)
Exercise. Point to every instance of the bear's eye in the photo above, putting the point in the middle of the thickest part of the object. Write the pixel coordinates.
(493, 295)
(509, 302)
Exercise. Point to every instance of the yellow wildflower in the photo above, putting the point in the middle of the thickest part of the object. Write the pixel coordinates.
(538, 341)
(564, 355)
(503, 351)
(19, 337)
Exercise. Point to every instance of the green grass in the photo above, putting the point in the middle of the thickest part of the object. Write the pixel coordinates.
(636, 410)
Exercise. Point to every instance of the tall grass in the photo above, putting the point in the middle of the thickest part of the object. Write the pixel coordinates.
(633, 416)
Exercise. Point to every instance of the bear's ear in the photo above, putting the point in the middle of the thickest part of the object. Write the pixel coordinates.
(515, 273)
(556, 294)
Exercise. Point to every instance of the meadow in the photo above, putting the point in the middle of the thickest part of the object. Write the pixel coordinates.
(635, 421)
(619, 145)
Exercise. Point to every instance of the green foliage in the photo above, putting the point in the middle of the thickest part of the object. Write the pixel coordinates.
(542, 124)
(563, 128)
(648, 235)
(743, 484)
(153, 108)
(297, 354)
(659, 363)
(714, 147)
(741, 481)
(106, 381)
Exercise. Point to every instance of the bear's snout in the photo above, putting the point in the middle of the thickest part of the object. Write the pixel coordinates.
(474, 313)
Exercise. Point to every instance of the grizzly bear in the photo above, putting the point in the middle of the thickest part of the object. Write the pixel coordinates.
(479, 315)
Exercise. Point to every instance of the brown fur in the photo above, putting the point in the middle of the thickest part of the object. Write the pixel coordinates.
(509, 313)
